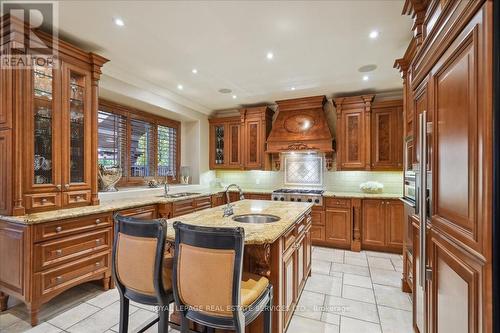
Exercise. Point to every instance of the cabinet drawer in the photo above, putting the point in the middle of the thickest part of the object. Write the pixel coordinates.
(61, 250)
(338, 202)
(65, 276)
(44, 231)
(142, 213)
(42, 201)
(203, 203)
(289, 239)
(318, 233)
(182, 207)
(76, 198)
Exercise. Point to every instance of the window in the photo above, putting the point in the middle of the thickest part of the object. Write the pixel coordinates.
(112, 139)
(143, 145)
(167, 150)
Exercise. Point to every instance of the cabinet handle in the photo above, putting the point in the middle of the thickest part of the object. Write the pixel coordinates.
(66, 186)
(59, 279)
(58, 252)
(97, 221)
(58, 229)
(78, 198)
(97, 242)
(44, 200)
(97, 264)
(58, 187)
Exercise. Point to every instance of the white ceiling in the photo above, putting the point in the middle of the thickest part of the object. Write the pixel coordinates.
(318, 46)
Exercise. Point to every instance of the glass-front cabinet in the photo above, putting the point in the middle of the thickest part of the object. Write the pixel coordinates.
(57, 137)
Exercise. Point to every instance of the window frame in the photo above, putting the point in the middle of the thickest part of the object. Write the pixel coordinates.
(132, 113)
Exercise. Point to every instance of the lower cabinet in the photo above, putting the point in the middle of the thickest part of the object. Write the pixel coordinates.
(188, 206)
(257, 196)
(289, 283)
(382, 225)
(338, 227)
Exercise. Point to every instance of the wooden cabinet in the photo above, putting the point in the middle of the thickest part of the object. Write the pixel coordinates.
(289, 283)
(239, 142)
(51, 157)
(218, 199)
(144, 213)
(257, 196)
(387, 135)
(369, 135)
(338, 227)
(187, 206)
(382, 225)
(225, 151)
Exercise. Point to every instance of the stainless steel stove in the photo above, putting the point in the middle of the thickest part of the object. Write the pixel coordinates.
(298, 195)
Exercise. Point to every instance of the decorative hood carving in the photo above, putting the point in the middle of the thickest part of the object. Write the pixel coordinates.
(300, 125)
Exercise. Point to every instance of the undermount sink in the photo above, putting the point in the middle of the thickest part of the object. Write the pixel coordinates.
(178, 195)
(256, 218)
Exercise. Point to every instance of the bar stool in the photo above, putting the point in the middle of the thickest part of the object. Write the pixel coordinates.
(141, 271)
(208, 284)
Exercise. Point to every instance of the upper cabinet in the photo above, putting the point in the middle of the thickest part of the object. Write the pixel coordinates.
(239, 142)
(51, 161)
(369, 134)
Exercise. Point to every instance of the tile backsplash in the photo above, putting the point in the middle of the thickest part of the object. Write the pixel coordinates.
(339, 181)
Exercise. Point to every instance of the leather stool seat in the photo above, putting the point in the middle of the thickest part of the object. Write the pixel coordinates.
(252, 286)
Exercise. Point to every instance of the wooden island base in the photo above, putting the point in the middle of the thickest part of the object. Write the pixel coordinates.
(287, 264)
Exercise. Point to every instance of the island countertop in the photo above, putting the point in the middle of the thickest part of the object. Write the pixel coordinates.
(255, 233)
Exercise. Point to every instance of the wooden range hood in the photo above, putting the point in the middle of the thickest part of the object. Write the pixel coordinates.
(300, 125)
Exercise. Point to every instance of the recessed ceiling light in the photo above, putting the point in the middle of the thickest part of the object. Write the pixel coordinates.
(234, 96)
(367, 68)
(374, 34)
(292, 88)
(194, 71)
(365, 78)
(180, 86)
(119, 22)
(269, 55)
(225, 91)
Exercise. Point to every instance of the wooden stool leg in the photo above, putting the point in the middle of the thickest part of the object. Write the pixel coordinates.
(124, 311)
(106, 283)
(4, 298)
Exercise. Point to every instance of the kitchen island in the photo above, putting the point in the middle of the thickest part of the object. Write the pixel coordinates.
(280, 251)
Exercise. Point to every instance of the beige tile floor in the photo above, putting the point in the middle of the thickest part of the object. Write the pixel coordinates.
(347, 292)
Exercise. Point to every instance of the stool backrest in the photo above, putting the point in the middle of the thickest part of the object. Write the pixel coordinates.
(207, 269)
(138, 251)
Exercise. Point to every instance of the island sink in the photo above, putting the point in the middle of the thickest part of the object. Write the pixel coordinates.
(256, 218)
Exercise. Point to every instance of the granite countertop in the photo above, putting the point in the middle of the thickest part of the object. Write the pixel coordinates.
(143, 199)
(255, 233)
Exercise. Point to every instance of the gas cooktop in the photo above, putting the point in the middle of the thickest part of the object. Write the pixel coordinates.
(299, 195)
(298, 191)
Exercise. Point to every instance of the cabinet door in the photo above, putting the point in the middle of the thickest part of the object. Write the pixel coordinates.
(301, 261)
(353, 140)
(76, 128)
(394, 212)
(235, 145)
(253, 144)
(289, 283)
(142, 213)
(42, 132)
(387, 138)
(338, 227)
(217, 149)
(373, 230)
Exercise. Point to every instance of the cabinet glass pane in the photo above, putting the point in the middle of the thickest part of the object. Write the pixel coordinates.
(42, 124)
(219, 144)
(77, 127)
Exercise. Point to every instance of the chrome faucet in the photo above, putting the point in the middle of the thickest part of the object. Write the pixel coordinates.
(166, 186)
(228, 208)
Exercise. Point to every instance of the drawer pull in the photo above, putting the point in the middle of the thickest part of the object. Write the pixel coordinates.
(44, 200)
(97, 221)
(58, 252)
(66, 186)
(58, 229)
(59, 279)
(97, 264)
(77, 198)
(97, 242)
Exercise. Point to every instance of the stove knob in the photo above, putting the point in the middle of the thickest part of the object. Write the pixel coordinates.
(292, 199)
(309, 200)
(316, 201)
(282, 199)
(275, 198)
(299, 199)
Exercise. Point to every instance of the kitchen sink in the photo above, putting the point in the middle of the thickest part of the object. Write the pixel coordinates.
(178, 195)
(256, 218)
